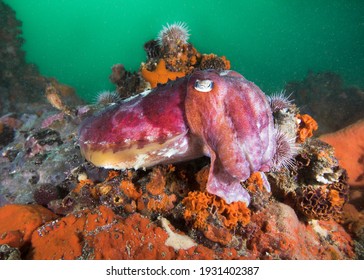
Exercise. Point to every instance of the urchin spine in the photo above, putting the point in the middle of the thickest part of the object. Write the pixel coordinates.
(286, 150)
(279, 101)
(173, 34)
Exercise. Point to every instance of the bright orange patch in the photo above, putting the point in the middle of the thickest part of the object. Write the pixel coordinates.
(157, 182)
(161, 75)
(129, 189)
(255, 182)
(17, 222)
(306, 127)
(335, 199)
(348, 144)
(200, 205)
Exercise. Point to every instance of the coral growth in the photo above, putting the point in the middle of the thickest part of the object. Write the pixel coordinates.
(307, 125)
(319, 189)
(278, 234)
(171, 56)
(160, 75)
(255, 182)
(212, 61)
(324, 202)
(17, 223)
(126, 192)
(100, 234)
(127, 83)
(202, 209)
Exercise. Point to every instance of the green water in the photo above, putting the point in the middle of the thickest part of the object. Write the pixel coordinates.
(269, 42)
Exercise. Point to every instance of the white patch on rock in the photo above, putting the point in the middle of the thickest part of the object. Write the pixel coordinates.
(175, 240)
(318, 229)
(328, 176)
(82, 177)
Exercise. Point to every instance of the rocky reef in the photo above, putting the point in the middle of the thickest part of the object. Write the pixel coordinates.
(338, 109)
(21, 82)
(343, 104)
(56, 205)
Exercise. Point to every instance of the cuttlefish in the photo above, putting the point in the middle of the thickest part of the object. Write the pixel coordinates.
(221, 115)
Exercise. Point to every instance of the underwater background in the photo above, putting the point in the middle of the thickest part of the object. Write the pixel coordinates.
(269, 42)
(94, 165)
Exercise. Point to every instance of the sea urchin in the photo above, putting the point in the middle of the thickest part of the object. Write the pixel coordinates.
(173, 35)
(286, 149)
(278, 101)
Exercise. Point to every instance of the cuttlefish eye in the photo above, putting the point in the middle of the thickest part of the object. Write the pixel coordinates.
(204, 85)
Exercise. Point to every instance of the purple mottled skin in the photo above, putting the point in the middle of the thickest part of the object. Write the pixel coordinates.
(235, 122)
(220, 115)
